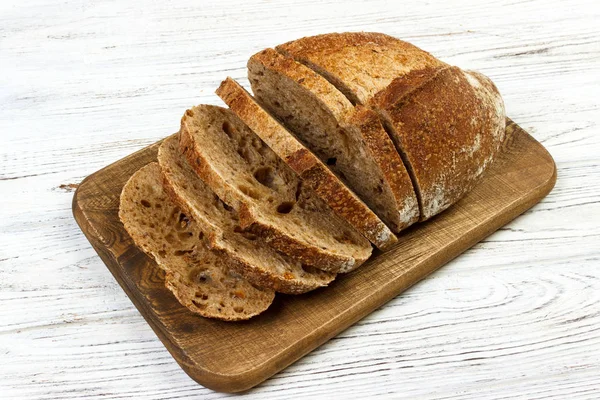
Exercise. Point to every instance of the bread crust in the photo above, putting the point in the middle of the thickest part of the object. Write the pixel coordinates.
(449, 124)
(387, 157)
(312, 171)
(359, 64)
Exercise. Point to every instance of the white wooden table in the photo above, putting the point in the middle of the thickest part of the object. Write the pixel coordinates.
(83, 84)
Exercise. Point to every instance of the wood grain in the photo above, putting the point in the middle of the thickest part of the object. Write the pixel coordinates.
(233, 357)
(85, 84)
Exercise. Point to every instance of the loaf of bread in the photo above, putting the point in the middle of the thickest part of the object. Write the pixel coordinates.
(348, 139)
(447, 124)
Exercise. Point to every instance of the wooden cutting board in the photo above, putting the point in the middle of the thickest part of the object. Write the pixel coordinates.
(232, 357)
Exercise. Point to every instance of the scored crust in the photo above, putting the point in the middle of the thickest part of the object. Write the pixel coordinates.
(201, 279)
(252, 257)
(271, 200)
(350, 140)
(313, 172)
(359, 64)
(449, 124)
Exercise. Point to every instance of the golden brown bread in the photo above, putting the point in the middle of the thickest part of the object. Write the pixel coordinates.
(359, 64)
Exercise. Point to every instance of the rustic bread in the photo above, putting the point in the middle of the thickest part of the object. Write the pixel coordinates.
(351, 140)
(271, 200)
(253, 257)
(359, 64)
(449, 124)
(312, 171)
(198, 277)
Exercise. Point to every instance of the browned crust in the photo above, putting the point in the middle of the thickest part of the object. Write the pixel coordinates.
(301, 161)
(384, 152)
(255, 274)
(338, 57)
(444, 127)
(349, 206)
(341, 199)
(333, 42)
(401, 87)
(308, 254)
(279, 283)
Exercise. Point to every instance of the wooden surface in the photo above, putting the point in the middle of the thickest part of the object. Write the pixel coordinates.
(84, 84)
(232, 357)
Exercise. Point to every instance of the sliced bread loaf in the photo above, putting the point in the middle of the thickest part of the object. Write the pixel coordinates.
(271, 200)
(252, 256)
(201, 279)
(449, 124)
(359, 64)
(350, 140)
(312, 171)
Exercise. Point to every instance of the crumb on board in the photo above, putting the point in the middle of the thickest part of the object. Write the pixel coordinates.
(68, 187)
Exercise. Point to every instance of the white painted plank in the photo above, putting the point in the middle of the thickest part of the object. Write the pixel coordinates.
(84, 84)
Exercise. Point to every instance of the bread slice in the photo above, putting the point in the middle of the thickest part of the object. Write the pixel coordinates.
(449, 124)
(351, 140)
(359, 64)
(271, 200)
(253, 257)
(312, 171)
(198, 277)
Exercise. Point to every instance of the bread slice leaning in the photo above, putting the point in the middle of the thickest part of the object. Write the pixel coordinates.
(251, 256)
(271, 200)
(313, 172)
(350, 140)
(200, 279)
